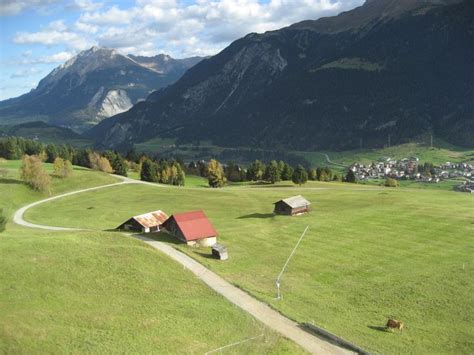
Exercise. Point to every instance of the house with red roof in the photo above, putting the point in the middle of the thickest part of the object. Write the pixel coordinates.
(192, 228)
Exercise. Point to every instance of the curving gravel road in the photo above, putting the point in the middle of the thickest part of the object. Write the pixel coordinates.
(260, 310)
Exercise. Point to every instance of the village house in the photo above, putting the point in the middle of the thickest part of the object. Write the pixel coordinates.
(145, 223)
(192, 228)
(292, 206)
(467, 186)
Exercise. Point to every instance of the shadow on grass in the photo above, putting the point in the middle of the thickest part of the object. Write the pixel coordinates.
(380, 329)
(163, 237)
(11, 181)
(269, 186)
(257, 215)
(205, 255)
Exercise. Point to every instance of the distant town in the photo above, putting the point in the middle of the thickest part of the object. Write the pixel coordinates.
(411, 169)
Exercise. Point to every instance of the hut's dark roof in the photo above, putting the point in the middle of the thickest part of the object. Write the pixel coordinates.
(194, 225)
(295, 201)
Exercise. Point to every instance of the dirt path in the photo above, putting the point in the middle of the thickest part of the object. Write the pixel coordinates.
(332, 162)
(243, 300)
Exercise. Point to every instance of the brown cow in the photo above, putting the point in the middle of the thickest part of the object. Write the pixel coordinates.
(394, 324)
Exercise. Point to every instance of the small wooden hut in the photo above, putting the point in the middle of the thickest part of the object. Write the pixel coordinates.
(292, 206)
(192, 228)
(145, 223)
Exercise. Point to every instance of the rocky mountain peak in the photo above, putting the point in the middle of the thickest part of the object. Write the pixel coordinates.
(94, 84)
(371, 12)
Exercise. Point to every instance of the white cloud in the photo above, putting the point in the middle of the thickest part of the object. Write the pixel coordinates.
(58, 25)
(112, 16)
(60, 57)
(55, 33)
(200, 28)
(85, 27)
(179, 28)
(87, 5)
(13, 7)
(24, 73)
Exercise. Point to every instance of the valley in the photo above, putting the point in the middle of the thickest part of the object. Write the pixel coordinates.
(368, 254)
(95, 291)
(300, 180)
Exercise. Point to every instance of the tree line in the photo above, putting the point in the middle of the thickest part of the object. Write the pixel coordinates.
(271, 173)
(14, 148)
(152, 169)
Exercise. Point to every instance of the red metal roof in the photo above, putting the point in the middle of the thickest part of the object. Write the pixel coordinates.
(194, 225)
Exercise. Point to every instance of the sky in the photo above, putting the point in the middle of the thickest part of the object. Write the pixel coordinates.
(38, 35)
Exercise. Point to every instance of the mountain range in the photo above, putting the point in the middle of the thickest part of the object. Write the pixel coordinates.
(389, 70)
(93, 85)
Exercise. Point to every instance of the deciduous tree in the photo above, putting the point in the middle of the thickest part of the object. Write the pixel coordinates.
(100, 163)
(32, 172)
(216, 174)
(62, 168)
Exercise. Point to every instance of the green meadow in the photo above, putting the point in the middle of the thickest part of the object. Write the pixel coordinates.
(99, 292)
(370, 253)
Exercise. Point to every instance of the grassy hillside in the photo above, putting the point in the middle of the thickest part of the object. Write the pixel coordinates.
(370, 254)
(105, 293)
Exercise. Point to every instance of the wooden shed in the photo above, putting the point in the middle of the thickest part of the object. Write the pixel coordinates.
(292, 206)
(220, 252)
(192, 228)
(145, 223)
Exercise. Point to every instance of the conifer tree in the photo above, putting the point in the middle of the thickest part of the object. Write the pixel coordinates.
(300, 176)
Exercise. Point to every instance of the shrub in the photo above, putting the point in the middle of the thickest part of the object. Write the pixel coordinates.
(62, 168)
(100, 163)
(32, 172)
(389, 182)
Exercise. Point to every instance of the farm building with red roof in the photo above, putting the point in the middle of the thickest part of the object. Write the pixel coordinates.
(192, 228)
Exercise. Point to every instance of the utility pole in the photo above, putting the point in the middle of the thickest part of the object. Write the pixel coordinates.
(360, 143)
(389, 138)
(431, 142)
(279, 296)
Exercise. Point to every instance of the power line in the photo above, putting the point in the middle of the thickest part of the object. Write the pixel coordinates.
(286, 264)
(233, 344)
